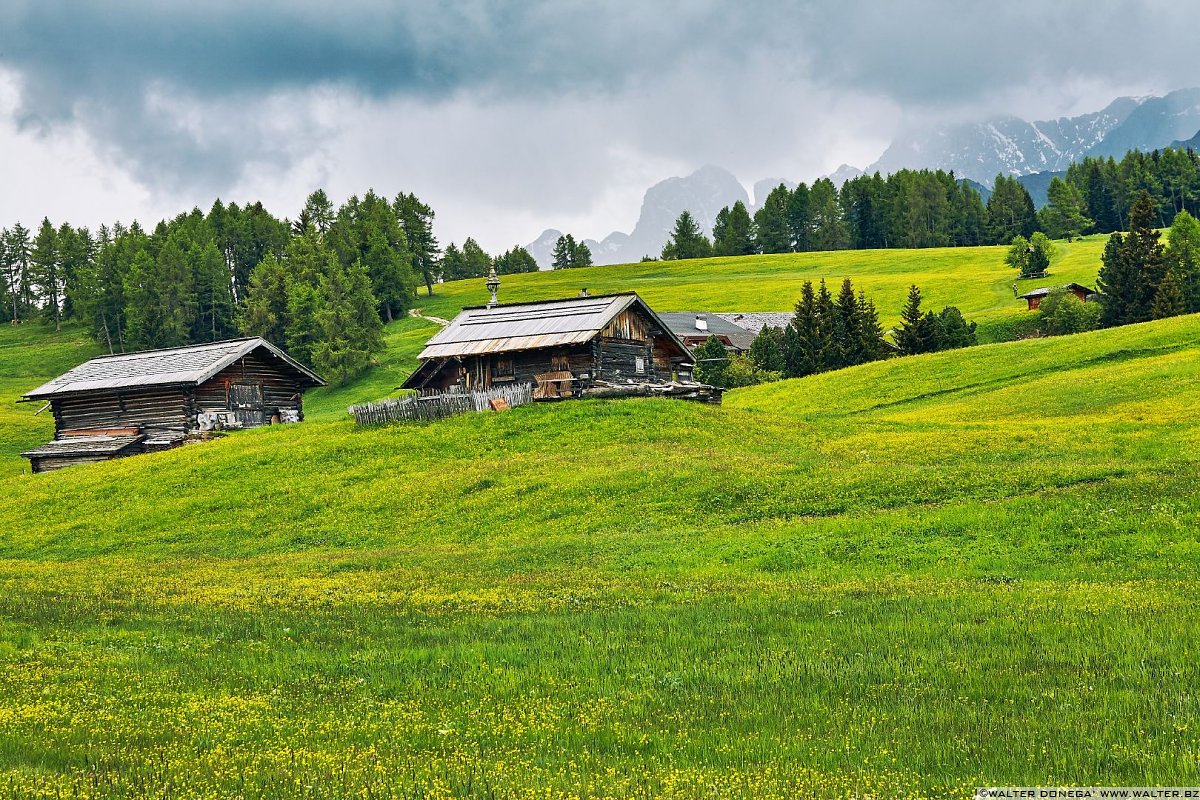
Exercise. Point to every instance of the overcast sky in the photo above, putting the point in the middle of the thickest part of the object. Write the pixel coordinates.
(513, 117)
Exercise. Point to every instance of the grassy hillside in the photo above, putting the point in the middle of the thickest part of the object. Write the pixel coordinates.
(905, 579)
(975, 279)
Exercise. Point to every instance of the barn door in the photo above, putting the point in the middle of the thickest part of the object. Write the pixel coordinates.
(245, 396)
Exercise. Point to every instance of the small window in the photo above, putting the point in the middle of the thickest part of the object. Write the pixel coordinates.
(560, 364)
(503, 368)
(639, 365)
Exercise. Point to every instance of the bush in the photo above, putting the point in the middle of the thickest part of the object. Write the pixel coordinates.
(1062, 312)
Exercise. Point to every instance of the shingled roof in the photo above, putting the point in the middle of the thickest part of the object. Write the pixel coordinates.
(190, 365)
(528, 326)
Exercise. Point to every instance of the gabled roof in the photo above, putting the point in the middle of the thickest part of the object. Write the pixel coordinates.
(684, 324)
(1045, 290)
(190, 365)
(529, 326)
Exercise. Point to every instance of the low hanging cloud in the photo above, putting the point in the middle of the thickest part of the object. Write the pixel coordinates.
(513, 116)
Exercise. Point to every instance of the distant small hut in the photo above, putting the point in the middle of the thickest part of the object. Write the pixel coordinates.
(694, 328)
(602, 345)
(132, 403)
(1035, 298)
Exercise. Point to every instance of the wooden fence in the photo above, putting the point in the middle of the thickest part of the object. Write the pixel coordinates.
(429, 406)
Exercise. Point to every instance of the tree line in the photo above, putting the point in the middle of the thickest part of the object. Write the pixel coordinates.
(827, 333)
(932, 208)
(320, 286)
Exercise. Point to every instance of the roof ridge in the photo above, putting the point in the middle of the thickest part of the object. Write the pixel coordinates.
(173, 349)
(610, 295)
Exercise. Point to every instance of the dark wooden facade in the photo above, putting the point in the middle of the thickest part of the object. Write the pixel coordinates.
(633, 347)
(133, 414)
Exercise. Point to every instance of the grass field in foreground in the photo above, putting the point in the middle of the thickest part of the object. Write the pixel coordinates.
(901, 580)
(975, 279)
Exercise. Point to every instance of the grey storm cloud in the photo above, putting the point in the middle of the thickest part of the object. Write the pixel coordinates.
(191, 95)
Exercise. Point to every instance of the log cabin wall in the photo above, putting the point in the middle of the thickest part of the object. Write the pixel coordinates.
(256, 386)
(157, 411)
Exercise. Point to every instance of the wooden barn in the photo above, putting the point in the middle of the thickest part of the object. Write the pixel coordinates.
(564, 347)
(1035, 298)
(131, 403)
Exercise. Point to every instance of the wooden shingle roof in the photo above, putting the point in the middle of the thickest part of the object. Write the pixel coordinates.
(190, 365)
(529, 326)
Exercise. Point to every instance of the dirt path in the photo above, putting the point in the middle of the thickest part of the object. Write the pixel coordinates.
(416, 312)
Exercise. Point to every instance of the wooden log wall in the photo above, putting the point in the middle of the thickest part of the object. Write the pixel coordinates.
(156, 411)
(279, 387)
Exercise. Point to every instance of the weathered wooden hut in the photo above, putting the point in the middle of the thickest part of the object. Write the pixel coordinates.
(564, 347)
(1035, 298)
(120, 405)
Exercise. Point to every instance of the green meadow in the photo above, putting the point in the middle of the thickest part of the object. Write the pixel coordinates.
(975, 279)
(905, 579)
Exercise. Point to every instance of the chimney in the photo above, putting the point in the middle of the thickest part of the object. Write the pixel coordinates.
(584, 292)
(701, 323)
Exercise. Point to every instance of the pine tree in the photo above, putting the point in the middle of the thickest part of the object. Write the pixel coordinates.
(767, 350)
(954, 331)
(318, 211)
(1168, 300)
(265, 312)
(799, 219)
(1145, 254)
(582, 257)
(516, 260)
(390, 273)
(1117, 282)
(475, 261)
(563, 252)
(686, 240)
(350, 331)
(737, 237)
(44, 268)
(711, 361)
(1183, 256)
(772, 233)
(214, 299)
(917, 332)
(827, 222)
(1064, 215)
(417, 220)
(453, 267)
(809, 336)
(1010, 210)
(720, 226)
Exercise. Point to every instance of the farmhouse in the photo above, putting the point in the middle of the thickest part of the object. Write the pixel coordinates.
(694, 328)
(567, 348)
(132, 403)
(1034, 298)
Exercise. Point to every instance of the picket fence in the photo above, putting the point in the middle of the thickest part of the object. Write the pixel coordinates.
(429, 406)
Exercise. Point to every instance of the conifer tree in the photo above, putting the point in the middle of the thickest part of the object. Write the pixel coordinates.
(44, 268)
(711, 361)
(1117, 282)
(767, 350)
(347, 320)
(214, 300)
(453, 267)
(1145, 254)
(1183, 256)
(265, 312)
(686, 240)
(917, 332)
(476, 262)
(954, 331)
(799, 219)
(417, 220)
(1168, 300)
(771, 231)
(562, 252)
(737, 235)
(1064, 215)
(1010, 210)
(582, 256)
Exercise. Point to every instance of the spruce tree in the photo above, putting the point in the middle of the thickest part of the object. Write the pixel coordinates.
(1183, 256)
(1168, 300)
(917, 332)
(1145, 254)
(1117, 282)
(737, 238)
(767, 350)
(799, 219)
(772, 234)
(44, 269)
(265, 312)
(1010, 210)
(416, 218)
(711, 360)
(349, 329)
(686, 240)
(214, 301)
(453, 267)
(1064, 215)
(563, 248)
(954, 331)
